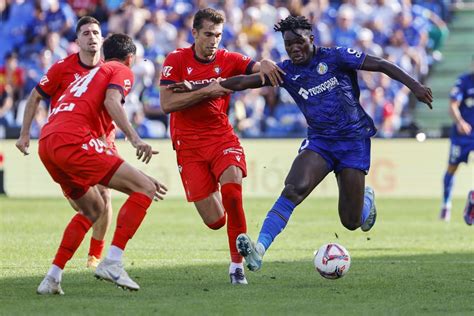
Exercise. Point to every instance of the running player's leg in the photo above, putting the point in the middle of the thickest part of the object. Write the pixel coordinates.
(308, 169)
(448, 182)
(99, 229)
(91, 205)
(231, 191)
(351, 184)
(141, 191)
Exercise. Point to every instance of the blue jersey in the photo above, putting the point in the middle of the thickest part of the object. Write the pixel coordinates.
(463, 92)
(327, 92)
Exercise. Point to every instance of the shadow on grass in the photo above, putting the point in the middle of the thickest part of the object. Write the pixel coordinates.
(431, 284)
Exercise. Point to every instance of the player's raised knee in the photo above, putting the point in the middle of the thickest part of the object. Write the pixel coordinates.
(295, 193)
(350, 224)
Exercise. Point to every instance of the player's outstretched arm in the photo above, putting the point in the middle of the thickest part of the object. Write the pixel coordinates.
(422, 93)
(171, 101)
(113, 104)
(32, 103)
(236, 83)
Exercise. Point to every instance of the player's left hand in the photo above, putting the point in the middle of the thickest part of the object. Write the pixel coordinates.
(270, 69)
(181, 87)
(424, 94)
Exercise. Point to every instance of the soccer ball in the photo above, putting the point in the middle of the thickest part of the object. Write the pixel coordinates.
(332, 261)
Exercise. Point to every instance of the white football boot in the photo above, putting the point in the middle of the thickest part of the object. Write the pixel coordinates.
(247, 249)
(49, 286)
(114, 272)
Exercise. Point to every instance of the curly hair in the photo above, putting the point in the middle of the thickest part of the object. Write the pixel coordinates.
(292, 23)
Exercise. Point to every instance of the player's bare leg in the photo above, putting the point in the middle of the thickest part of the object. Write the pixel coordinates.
(141, 190)
(231, 192)
(356, 202)
(92, 206)
(448, 181)
(307, 171)
(212, 211)
(99, 229)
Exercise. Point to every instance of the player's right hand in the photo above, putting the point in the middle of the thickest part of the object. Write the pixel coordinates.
(23, 143)
(463, 127)
(144, 150)
(161, 189)
(215, 90)
(271, 70)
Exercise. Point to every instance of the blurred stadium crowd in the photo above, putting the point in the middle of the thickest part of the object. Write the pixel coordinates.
(36, 34)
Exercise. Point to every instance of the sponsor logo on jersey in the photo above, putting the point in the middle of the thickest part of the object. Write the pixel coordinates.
(190, 70)
(233, 150)
(322, 68)
(217, 70)
(127, 84)
(353, 52)
(245, 57)
(295, 77)
(327, 85)
(204, 80)
(44, 80)
(166, 72)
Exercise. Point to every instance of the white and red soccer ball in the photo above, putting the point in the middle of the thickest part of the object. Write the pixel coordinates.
(332, 261)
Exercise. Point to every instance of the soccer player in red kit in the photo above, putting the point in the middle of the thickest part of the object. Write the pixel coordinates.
(75, 156)
(52, 86)
(208, 152)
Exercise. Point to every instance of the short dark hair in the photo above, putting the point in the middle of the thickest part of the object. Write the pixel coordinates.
(86, 20)
(118, 46)
(292, 23)
(207, 14)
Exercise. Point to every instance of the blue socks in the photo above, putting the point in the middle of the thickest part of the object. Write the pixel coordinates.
(447, 187)
(276, 221)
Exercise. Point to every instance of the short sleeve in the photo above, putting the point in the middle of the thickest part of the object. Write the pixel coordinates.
(171, 70)
(50, 82)
(242, 64)
(456, 93)
(121, 79)
(349, 58)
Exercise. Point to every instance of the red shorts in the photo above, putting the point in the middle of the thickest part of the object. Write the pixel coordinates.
(201, 168)
(77, 163)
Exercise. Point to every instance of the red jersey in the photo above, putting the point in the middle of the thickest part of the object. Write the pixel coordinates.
(81, 110)
(59, 77)
(201, 123)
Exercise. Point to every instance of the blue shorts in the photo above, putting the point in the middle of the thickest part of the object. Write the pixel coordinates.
(341, 154)
(459, 152)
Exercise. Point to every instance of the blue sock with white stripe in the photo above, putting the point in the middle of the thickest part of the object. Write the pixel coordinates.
(447, 188)
(276, 221)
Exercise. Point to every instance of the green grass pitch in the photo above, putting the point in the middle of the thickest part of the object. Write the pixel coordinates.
(409, 264)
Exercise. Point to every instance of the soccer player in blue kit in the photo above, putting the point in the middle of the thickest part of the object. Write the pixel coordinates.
(461, 108)
(323, 83)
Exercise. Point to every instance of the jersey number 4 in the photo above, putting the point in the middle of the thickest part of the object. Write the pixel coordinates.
(80, 85)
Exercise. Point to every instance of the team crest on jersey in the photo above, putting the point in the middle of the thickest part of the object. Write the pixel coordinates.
(217, 70)
(166, 72)
(189, 70)
(44, 80)
(322, 68)
(127, 84)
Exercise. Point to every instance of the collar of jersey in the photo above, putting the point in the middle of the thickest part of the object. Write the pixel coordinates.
(202, 61)
(84, 65)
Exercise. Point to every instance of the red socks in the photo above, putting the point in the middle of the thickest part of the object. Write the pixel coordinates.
(96, 247)
(72, 238)
(236, 224)
(129, 218)
(218, 224)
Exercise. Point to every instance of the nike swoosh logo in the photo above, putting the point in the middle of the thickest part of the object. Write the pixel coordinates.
(114, 277)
